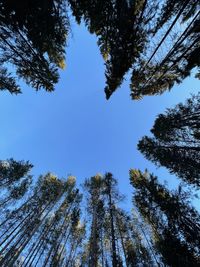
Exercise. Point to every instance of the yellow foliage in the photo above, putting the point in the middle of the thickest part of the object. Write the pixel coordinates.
(61, 64)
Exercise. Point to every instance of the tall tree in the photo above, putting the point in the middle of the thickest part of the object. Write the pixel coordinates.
(117, 241)
(39, 231)
(14, 182)
(127, 32)
(12, 171)
(121, 29)
(174, 221)
(176, 141)
(111, 193)
(32, 39)
(94, 206)
(156, 76)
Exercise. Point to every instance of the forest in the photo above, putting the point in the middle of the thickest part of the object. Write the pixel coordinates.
(51, 220)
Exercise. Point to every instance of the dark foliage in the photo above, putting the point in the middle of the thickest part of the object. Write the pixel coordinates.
(176, 141)
(32, 39)
(175, 223)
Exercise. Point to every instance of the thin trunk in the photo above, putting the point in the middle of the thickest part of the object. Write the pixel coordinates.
(21, 236)
(59, 243)
(21, 248)
(72, 256)
(44, 241)
(19, 55)
(41, 238)
(53, 247)
(10, 234)
(122, 240)
(93, 257)
(37, 244)
(102, 247)
(148, 243)
(114, 254)
(60, 254)
(17, 210)
(168, 31)
(5, 201)
(63, 227)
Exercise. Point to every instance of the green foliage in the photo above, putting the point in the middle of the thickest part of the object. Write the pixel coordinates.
(175, 144)
(33, 38)
(171, 7)
(113, 238)
(174, 221)
(11, 171)
(151, 78)
(120, 27)
(7, 82)
(45, 228)
(125, 32)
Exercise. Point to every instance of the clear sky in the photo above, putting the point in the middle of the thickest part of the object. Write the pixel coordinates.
(75, 130)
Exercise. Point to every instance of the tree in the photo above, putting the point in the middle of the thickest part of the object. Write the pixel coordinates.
(33, 38)
(151, 78)
(126, 31)
(121, 29)
(109, 187)
(113, 239)
(174, 221)
(176, 141)
(14, 181)
(95, 207)
(12, 171)
(39, 231)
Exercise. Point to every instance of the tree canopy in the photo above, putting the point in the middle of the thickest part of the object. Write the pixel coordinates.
(54, 223)
(175, 144)
(33, 39)
(175, 223)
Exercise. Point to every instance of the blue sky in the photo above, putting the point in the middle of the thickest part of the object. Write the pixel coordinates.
(75, 130)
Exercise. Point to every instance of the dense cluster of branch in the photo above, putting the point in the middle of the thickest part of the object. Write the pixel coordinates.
(175, 223)
(42, 225)
(114, 240)
(44, 229)
(33, 38)
(151, 78)
(176, 141)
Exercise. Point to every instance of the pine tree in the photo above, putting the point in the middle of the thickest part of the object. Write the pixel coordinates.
(94, 206)
(176, 144)
(126, 31)
(174, 221)
(154, 77)
(41, 230)
(113, 239)
(121, 29)
(14, 182)
(32, 39)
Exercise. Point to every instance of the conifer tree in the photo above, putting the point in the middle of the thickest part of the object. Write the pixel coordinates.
(41, 230)
(176, 141)
(32, 39)
(14, 181)
(121, 28)
(117, 241)
(154, 77)
(94, 205)
(174, 221)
